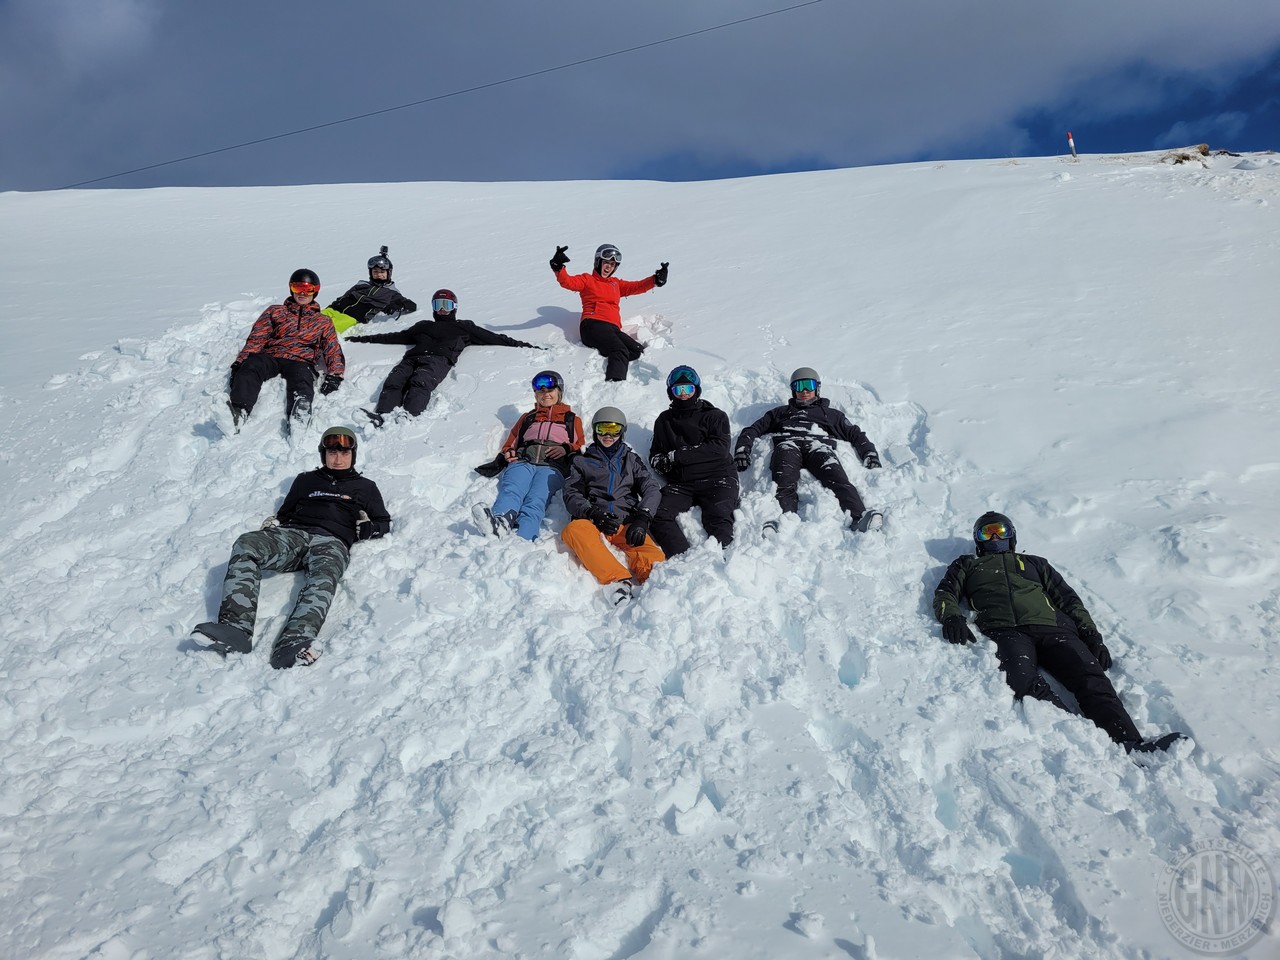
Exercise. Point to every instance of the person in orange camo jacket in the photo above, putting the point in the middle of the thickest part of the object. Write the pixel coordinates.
(601, 291)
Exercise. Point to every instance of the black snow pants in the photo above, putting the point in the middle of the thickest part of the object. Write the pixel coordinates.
(411, 383)
(257, 368)
(716, 498)
(618, 349)
(1024, 650)
(789, 455)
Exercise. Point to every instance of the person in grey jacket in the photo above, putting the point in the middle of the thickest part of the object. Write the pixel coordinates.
(612, 496)
(807, 429)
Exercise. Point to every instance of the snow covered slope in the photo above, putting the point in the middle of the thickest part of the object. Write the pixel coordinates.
(770, 753)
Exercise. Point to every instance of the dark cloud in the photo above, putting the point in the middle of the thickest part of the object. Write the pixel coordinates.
(93, 87)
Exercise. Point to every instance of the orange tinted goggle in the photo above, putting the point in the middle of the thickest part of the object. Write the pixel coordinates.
(309, 289)
(609, 429)
(339, 441)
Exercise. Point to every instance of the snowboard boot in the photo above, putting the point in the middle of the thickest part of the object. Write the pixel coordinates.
(490, 522)
(618, 592)
(238, 416)
(377, 418)
(299, 418)
(225, 638)
(294, 652)
(871, 520)
(769, 530)
(1153, 745)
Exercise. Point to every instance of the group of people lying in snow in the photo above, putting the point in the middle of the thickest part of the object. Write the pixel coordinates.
(615, 500)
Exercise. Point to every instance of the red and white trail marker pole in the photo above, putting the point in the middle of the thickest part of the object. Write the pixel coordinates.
(1072, 144)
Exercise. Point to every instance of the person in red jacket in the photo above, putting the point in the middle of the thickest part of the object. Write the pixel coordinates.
(287, 341)
(601, 326)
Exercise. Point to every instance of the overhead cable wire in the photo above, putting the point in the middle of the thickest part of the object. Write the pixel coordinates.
(444, 96)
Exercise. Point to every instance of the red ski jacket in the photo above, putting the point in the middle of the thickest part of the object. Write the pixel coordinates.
(287, 331)
(600, 296)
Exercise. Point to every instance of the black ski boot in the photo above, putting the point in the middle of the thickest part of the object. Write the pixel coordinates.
(225, 638)
(1153, 745)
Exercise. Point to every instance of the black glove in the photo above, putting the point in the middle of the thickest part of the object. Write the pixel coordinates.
(871, 461)
(956, 630)
(331, 383)
(364, 526)
(559, 260)
(742, 459)
(1093, 640)
(605, 521)
(660, 276)
(637, 527)
(662, 462)
(493, 467)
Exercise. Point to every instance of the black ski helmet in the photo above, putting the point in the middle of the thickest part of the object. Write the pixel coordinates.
(558, 380)
(610, 415)
(684, 374)
(340, 432)
(607, 251)
(380, 260)
(303, 275)
(999, 544)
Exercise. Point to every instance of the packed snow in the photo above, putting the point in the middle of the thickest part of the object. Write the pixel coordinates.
(770, 752)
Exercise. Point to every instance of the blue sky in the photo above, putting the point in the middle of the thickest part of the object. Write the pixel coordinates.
(95, 87)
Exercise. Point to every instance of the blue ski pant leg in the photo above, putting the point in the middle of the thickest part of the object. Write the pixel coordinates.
(546, 482)
(513, 487)
(278, 549)
(324, 561)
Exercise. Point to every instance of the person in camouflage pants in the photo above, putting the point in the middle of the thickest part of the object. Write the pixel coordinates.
(324, 513)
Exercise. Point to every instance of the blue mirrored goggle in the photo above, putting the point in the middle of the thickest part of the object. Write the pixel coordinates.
(683, 390)
(442, 305)
(544, 382)
(800, 386)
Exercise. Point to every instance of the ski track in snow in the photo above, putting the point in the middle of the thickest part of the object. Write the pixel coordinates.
(747, 736)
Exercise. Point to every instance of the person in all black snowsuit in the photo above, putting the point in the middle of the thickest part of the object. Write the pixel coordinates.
(370, 298)
(288, 340)
(690, 450)
(434, 348)
(808, 428)
(324, 513)
(601, 292)
(1035, 619)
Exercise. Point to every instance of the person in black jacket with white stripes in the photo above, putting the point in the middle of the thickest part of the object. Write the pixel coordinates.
(690, 451)
(807, 429)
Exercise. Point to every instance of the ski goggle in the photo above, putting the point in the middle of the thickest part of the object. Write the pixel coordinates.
(611, 253)
(607, 429)
(545, 382)
(444, 305)
(682, 375)
(305, 289)
(338, 441)
(993, 531)
(801, 386)
(683, 390)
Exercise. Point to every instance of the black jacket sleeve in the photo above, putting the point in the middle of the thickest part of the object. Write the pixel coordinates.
(948, 597)
(766, 424)
(845, 429)
(714, 448)
(480, 337)
(403, 337)
(1060, 593)
(379, 524)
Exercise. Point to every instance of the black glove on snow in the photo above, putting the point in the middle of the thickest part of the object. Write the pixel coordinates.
(871, 461)
(637, 527)
(605, 521)
(660, 276)
(742, 459)
(559, 260)
(662, 462)
(1093, 640)
(493, 467)
(956, 630)
(331, 383)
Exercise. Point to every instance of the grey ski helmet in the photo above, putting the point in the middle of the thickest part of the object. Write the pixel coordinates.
(542, 376)
(610, 415)
(985, 538)
(607, 251)
(805, 373)
(381, 260)
(339, 432)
